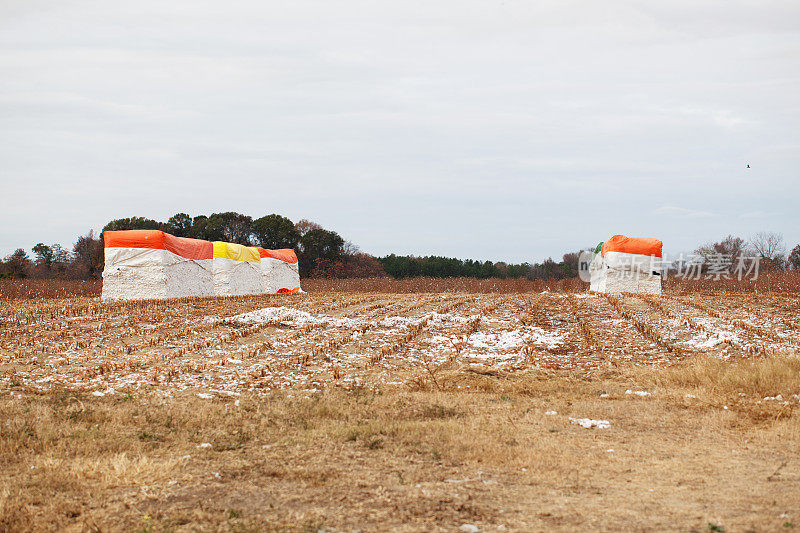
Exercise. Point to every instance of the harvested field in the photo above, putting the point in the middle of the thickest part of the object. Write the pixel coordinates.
(265, 343)
(416, 411)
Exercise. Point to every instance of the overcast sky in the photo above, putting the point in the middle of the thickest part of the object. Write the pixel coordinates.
(504, 130)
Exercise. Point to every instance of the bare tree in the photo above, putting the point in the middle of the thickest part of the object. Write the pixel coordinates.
(88, 253)
(730, 245)
(61, 258)
(725, 253)
(769, 245)
(350, 249)
(304, 225)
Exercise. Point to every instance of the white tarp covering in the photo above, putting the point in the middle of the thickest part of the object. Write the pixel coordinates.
(233, 278)
(150, 264)
(279, 275)
(618, 281)
(597, 271)
(146, 273)
(617, 272)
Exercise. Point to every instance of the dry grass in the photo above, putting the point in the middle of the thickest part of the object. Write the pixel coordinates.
(481, 450)
(718, 381)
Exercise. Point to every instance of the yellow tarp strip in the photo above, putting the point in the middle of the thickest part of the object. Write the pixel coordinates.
(229, 250)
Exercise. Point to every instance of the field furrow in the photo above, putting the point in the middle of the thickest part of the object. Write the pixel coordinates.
(262, 343)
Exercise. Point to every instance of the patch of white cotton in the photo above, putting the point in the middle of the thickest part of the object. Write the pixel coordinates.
(280, 315)
(588, 423)
(710, 341)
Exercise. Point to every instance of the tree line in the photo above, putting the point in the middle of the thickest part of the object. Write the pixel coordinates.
(407, 266)
(324, 253)
(768, 247)
(321, 252)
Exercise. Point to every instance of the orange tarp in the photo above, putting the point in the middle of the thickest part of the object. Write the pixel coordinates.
(134, 238)
(633, 245)
(189, 248)
(286, 255)
(196, 249)
(158, 240)
(182, 246)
